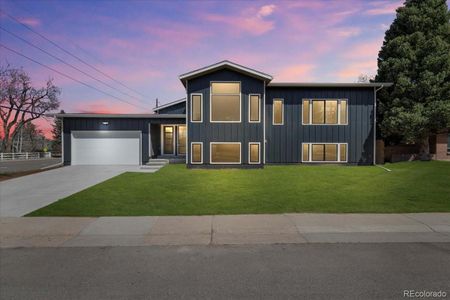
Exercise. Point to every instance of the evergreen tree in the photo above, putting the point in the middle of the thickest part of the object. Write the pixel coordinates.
(415, 56)
(56, 133)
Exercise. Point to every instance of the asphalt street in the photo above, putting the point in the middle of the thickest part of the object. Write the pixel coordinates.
(27, 165)
(313, 271)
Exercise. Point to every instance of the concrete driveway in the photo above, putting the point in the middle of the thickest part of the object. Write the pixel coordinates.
(23, 195)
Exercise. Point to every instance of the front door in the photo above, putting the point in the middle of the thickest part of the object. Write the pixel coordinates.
(174, 139)
(168, 140)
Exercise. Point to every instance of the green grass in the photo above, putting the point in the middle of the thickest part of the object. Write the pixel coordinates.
(175, 190)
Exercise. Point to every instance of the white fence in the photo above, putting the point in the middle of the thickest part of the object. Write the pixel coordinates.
(24, 155)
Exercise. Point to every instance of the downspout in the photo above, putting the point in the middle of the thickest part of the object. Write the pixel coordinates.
(375, 90)
(62, 140)
(187, 122)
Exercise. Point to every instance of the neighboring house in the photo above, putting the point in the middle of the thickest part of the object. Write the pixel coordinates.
(235, 116)
(440, 145)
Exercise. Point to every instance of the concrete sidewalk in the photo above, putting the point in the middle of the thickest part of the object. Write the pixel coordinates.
(224, 229)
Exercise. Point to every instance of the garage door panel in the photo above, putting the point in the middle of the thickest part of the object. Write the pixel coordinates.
(106, 148)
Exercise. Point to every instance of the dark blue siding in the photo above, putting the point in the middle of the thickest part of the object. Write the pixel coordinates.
(284, 142)
(243, 132)
(179, 108)
(133, 124)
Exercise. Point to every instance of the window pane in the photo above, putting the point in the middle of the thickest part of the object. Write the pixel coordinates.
(343, 154)
(196, 108)
(168, 140)
(318, 152)
(225, 108)
(277, 112)
(318, 112)
(254, 153)
(254, 108)
(225, 87)
(331, 152)
(305, 152)
(225, 153)
(196, 153)
(306, 111)
(331, 112)
(343, 111)
(182, 139)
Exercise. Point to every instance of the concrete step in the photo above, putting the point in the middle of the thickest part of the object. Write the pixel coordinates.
(157, 162)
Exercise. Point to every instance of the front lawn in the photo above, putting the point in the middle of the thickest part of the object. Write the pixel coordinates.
(175, 190)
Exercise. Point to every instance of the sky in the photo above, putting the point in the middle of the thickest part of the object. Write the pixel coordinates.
(146, 45)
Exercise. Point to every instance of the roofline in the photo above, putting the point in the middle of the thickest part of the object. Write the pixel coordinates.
(170, 104)
(328, 84)
(244, 69)
(140, 116)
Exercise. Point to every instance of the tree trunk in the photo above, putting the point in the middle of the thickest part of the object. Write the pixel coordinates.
(424, 153)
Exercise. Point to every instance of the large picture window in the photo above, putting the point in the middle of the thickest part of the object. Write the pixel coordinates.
(325, 152)
(278, 112)
(197, 108)
(325, 112)
(225, 102)
(197, 153)
(254, 109)
(225, 153)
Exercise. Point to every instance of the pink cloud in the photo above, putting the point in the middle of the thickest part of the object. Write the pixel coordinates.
(346, 32)
(104, 106)
(300, 72)
(266, 10)
(351, 71)
(364, 50)
(33, 22)
(383, 8)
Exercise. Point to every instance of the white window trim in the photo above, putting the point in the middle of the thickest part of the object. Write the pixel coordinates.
(259, 108)
(225, 163)
(201, 107)
(259, 153)
(201, 153)
(325, 161)
(325, 99)
(210, 101)
(282, 112)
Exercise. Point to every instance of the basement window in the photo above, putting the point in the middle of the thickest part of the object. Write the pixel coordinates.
(197, 153)
(324, 152)
(225, 153)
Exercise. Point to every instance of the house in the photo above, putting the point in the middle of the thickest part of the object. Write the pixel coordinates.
(234, 116)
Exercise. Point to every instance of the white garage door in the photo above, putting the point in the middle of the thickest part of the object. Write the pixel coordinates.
(106, 147)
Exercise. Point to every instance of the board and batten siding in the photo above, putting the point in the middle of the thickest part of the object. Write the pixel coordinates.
(243, 132)
(119, 124)
(284, 141)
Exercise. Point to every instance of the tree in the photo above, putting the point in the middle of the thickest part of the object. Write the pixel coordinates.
(29, 139)
(20, 103)
(56, 132)
(415, 56)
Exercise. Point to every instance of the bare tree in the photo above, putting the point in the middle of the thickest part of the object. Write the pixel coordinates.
(364, 78)
(20, 103)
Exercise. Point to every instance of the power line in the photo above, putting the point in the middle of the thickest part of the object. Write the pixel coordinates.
(70, 77)
(71, 54)
(66, 63)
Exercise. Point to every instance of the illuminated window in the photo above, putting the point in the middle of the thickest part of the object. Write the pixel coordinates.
(324, 112)
(254, 110)
(225, 153)
(254, 156)
(330, 152)
(196, 153)
(196, 108)
(278, 112)
(225, 102)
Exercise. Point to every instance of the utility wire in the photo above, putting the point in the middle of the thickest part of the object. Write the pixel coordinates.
(69, 53)
(67, 64)
(70, 77)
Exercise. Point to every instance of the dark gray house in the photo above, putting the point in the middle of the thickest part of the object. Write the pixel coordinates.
(234, 116)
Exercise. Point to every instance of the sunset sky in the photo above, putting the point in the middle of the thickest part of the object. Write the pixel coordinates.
(146, 44)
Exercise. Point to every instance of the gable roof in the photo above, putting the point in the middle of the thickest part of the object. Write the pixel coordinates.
(225, 64)
(169, 104)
